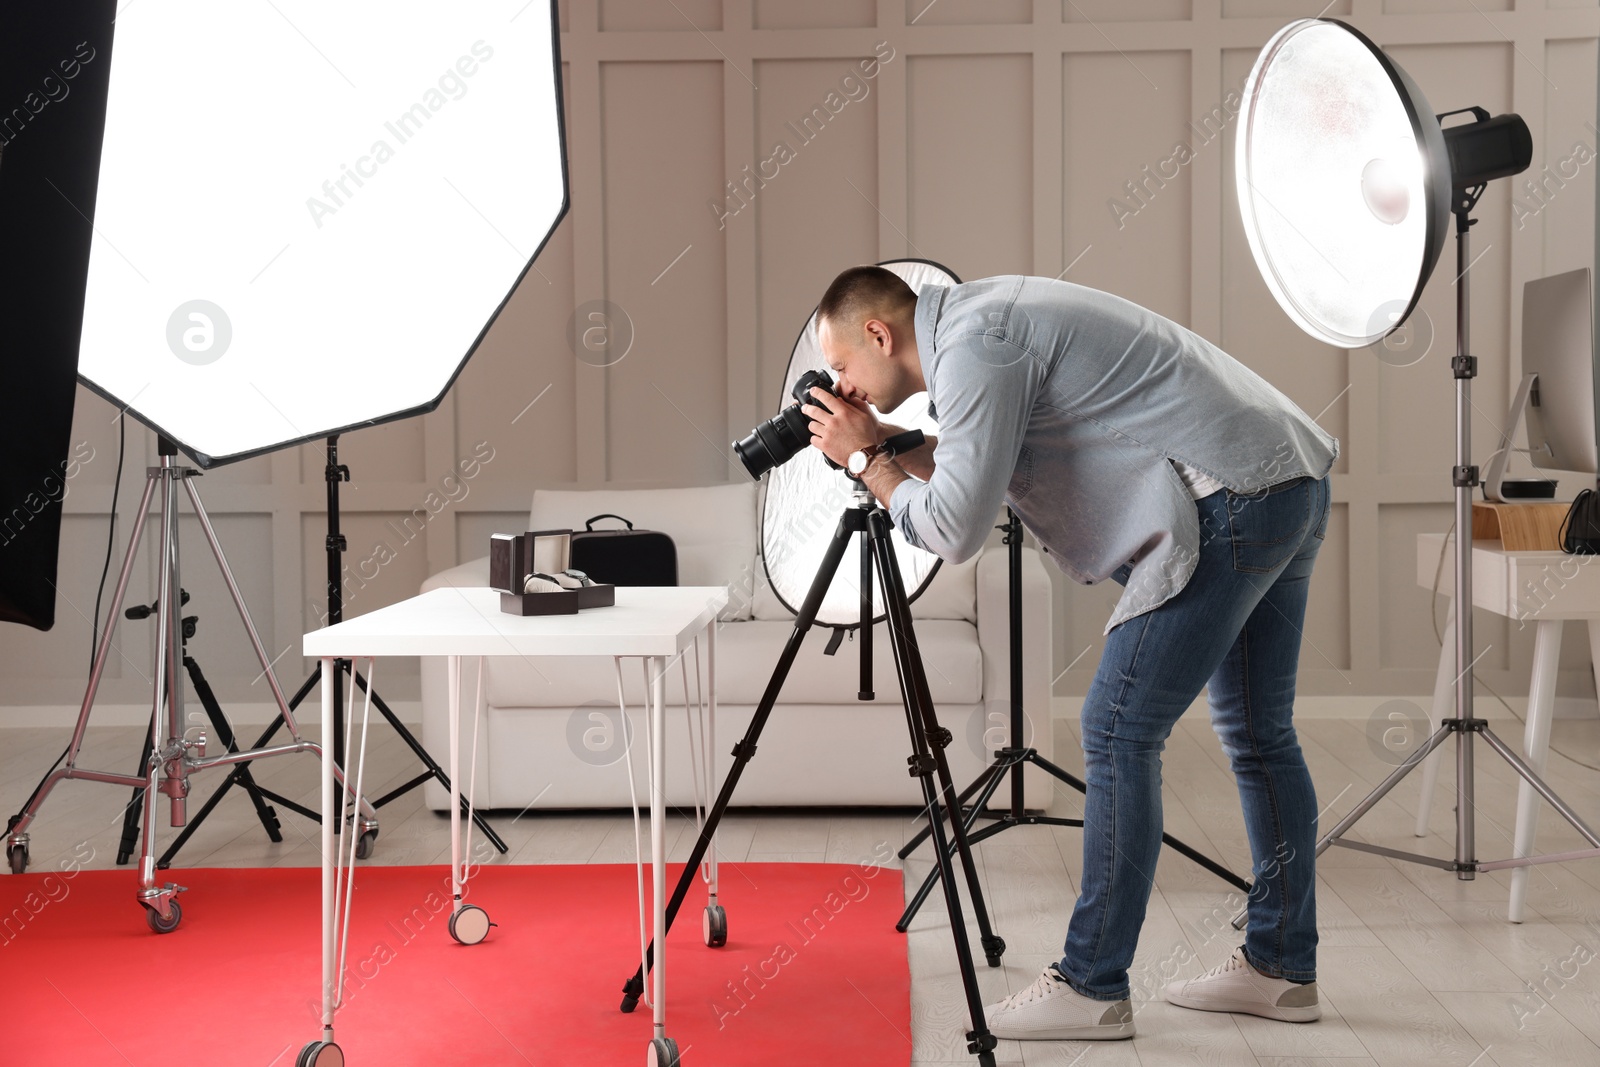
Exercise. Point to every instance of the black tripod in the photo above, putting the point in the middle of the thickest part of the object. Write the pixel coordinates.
(224, 733)
(928, 741)
(335, 545)
(1009, 761)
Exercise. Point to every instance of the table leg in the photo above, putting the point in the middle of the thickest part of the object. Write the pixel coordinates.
(711, 739)
(1443, 708)
(330, 679)
(1535, 749)
(658, 834)
(453, 673)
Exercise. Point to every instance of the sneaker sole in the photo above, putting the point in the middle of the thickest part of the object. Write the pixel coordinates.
(1309, 1014)
(1090, 1032)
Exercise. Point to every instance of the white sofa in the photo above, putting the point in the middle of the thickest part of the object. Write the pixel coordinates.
(551, 732)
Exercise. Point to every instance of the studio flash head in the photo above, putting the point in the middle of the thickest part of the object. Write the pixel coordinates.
(782, 437)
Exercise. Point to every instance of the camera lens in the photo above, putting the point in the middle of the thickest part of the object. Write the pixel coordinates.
(781, 438)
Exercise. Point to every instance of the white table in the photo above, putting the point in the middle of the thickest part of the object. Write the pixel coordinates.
(655, 625)
(1545, 588)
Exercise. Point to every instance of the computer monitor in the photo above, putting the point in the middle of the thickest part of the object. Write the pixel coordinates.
(1558, 399)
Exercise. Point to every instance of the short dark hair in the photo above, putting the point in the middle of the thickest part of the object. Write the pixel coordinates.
(863, 292)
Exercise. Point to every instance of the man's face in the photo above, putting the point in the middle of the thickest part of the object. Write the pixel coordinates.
(863, 362)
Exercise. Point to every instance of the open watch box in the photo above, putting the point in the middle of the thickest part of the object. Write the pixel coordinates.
(532, 573)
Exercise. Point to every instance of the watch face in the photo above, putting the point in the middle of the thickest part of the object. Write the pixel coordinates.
(856, 463)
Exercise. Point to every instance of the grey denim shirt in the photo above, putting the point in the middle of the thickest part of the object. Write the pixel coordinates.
(1068, 404)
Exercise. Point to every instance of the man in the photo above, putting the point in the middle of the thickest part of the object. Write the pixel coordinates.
(1134, 450)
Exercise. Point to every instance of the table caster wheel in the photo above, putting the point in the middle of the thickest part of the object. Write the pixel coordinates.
(167, 925)
(320, 1054)
(663, 1053)
(714, 926)
(365, 842)
(17, 856)
(470, 925)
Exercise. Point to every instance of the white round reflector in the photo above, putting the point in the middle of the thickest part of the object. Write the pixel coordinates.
(1343, 182)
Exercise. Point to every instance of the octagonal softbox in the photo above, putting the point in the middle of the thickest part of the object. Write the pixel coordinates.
(804, 497)
(308, 213)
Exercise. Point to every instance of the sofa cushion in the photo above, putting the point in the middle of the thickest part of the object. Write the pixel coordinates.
(714, 527)
(747, 653)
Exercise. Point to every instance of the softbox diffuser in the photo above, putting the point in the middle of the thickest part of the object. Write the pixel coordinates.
(805, 497)
(308, 213)
(54, 61)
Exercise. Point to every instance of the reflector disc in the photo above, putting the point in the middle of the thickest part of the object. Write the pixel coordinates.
(804, 497)
(1343, 182)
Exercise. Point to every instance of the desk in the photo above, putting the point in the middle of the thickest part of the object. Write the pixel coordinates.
(654, 625)
(1545, 588)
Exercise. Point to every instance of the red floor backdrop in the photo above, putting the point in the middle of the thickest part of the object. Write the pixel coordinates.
(813, 971)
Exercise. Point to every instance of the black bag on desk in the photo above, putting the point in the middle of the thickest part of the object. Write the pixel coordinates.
(625, 557)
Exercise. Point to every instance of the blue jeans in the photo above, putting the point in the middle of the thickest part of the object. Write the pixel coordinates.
(1235, 627)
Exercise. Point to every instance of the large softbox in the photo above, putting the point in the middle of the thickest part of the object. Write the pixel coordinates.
(308, 213)
(54, 62)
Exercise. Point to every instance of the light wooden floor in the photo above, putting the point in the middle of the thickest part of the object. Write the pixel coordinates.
(1416, 967)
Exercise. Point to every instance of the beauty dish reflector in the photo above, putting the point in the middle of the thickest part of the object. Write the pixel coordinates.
(1343, 180)
(805, 497)
(308, 215)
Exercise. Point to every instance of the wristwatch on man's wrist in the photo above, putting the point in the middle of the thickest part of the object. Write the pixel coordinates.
(856, 463)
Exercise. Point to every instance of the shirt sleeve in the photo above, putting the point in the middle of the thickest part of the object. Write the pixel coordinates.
(985, 388)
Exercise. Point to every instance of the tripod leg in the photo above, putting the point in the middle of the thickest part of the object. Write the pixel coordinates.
(937, 737)
(219, 722)
(990, 781)
(746, 748)
(924, 762)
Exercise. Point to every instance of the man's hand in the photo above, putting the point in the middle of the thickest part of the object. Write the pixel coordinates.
(845, 426)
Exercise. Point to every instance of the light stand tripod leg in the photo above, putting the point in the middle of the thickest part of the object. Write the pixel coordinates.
(990, 781)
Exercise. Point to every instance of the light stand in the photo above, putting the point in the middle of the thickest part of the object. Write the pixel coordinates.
(1011, 760)
(928, 741)
(1466, 724)
(335, 544)
(174, 755)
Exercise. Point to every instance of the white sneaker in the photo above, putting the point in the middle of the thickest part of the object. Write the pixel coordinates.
(1236, 986)
(1051, 1010)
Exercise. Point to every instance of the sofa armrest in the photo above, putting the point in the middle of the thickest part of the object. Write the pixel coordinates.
(994, 642)
(474, 574)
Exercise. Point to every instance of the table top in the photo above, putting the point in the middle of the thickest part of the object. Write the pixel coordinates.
(1519, 585)
(468, 622)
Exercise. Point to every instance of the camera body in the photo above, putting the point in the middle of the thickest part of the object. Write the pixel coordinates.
(782, 437)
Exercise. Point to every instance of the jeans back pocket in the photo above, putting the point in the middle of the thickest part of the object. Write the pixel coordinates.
(1269, 526)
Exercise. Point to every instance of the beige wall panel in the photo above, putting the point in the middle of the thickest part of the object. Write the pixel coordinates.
(811, 223)
(220, 643)
(474, 527)
(1438, 7)
(1558, 194)
(1417, 402)
(63, 652)
(968, 12)
(1128, 195)
(1124, 11)
(1405, 628)
(688, 15)
(813, 14)
(1287, 9)
(517, 391)
(1556, 5)
(1255, 329)
(969, 143)
(663, 145)
(94, 446)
